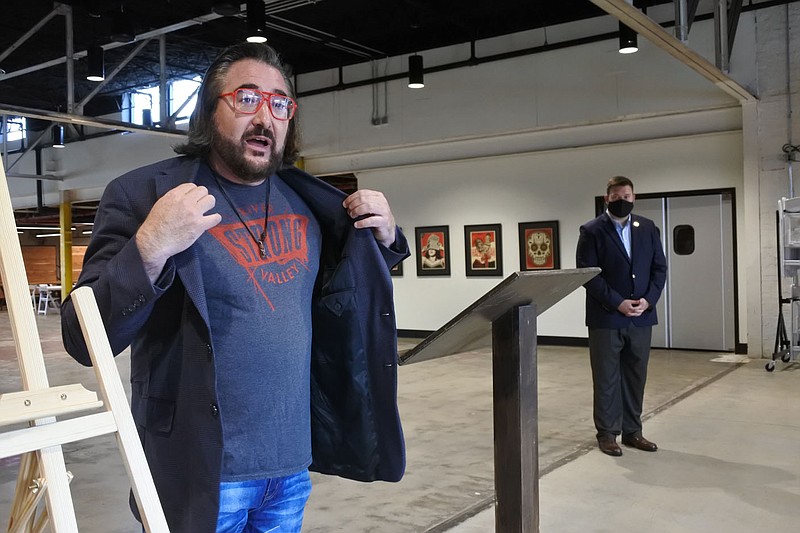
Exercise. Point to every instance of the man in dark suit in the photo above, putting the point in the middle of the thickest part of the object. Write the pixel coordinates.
(620, 313)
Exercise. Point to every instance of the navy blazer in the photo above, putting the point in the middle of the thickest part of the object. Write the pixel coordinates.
(356, 430)
(642, 275)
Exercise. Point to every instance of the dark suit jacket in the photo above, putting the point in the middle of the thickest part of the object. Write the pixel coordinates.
(356, 430)
(643, 275)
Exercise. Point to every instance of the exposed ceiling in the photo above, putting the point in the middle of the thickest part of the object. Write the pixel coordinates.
(312, 35)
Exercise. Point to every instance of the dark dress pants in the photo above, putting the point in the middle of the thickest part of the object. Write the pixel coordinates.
(619, 371)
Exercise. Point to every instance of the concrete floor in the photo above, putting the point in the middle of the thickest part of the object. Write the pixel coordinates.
(728, 434)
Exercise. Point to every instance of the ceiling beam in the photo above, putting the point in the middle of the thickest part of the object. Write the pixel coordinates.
(652, 31)
(96, 122)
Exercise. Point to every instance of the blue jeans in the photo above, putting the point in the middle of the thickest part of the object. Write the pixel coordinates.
(272, 505)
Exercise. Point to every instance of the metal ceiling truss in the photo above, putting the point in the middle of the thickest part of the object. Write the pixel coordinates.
(651, 30)
(74, 112)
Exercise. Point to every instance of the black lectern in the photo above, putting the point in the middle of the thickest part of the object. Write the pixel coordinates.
(509, 312)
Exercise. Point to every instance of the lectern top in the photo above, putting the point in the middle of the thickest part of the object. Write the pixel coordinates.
(471, 329)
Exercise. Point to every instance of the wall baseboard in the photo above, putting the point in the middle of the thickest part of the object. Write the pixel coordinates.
(543, 340)
(413, 333)
(741, 348)
(546, 340)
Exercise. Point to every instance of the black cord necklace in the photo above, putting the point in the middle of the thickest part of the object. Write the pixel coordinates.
(259, 241)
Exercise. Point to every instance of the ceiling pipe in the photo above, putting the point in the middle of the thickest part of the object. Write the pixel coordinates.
(721, 35)
(681, 21)
(163, 97)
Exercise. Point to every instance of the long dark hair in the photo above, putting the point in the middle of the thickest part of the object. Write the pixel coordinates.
(201, 125)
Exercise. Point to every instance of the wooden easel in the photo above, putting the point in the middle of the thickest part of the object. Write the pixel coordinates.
(42, 469)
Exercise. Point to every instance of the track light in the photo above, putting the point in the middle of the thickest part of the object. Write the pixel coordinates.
(256, 22)
(97, 67)
(415, 69)
(628, 40)
(122, 27)
(58, 136)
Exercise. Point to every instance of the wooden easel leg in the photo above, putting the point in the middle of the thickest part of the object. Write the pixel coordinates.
(27, 495)
(142, 484)
(48, 462)
(31, 360)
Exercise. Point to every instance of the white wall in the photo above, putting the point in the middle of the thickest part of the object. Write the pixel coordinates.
(86, 168)
(553, 185)
(585, 84)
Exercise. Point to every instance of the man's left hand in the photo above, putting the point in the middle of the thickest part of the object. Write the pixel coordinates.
(639, 307)
(371, 210)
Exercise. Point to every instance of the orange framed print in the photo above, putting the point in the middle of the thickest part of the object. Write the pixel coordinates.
(484, 250)
(538, 246)
(433, 250)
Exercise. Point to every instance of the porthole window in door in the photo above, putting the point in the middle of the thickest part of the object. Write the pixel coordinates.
(683, 239)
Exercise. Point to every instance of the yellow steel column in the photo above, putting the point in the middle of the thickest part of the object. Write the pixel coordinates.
(65, 219)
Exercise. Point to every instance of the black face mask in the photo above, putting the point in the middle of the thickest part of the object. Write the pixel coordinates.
(620, 208)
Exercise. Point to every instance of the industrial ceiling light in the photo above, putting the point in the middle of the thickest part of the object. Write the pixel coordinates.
(122, 27)
(58, 136)
(628, 40)
(256, 22)
(225, 9)
(97, 66)
(415, 69)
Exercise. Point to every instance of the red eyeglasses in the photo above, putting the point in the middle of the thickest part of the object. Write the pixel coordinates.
(249, 101)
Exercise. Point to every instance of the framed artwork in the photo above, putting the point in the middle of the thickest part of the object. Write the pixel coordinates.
(484, 250)
(433, 250)
(538, 246)
(397, 270)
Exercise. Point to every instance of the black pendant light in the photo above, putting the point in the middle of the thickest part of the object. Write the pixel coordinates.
(96, 61)
(58, 136)
(628, 40)
(415, 72)
(256, 22)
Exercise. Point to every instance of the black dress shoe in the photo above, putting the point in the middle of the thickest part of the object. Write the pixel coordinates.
(609, 446)
(639, 442)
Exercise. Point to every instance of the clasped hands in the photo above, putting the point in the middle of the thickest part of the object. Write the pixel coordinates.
(632, 308)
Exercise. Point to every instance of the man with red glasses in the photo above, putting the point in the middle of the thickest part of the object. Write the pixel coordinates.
(258, 306)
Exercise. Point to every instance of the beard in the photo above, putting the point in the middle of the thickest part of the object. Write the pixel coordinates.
(232, 154)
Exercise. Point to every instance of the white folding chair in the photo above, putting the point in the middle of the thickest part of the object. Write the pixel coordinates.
(44, 295)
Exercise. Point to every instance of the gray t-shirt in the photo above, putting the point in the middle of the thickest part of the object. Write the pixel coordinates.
(260, 312)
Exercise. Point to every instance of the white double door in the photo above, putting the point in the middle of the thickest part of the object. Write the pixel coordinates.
(697, 308)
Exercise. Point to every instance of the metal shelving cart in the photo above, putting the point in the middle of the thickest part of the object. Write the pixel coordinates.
(787, 343)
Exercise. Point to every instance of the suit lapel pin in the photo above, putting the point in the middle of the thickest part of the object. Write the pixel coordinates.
(635, 223)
